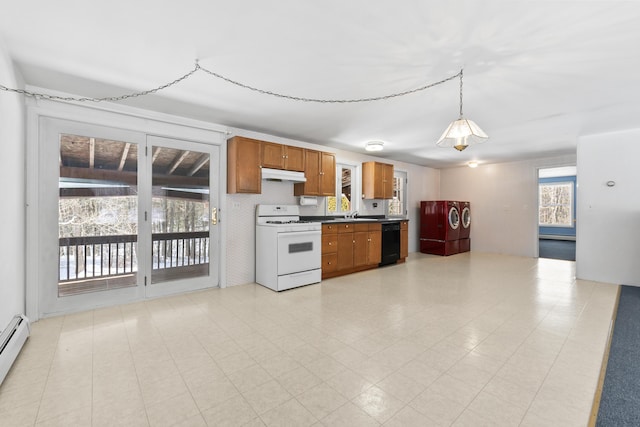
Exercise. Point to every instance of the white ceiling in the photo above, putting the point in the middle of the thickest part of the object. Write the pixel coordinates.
(537, 74)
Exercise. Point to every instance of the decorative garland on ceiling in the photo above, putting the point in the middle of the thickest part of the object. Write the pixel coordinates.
(198, 67)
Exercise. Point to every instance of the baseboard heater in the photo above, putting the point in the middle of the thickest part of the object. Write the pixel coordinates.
(12, 339)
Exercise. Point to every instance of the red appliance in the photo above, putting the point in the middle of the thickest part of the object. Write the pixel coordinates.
(465, 227)
(439, 227)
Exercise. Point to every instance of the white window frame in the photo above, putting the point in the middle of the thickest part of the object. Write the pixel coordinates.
(355, 189)
(399, 174)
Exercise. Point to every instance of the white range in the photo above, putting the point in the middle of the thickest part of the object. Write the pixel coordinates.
(288, 251)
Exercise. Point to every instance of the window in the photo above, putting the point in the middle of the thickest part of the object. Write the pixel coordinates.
(555, 204)
(345, 186)
(398, 204)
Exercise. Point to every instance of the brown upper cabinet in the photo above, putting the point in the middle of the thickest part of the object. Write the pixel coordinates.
(377, 180)
(243, 165)
(279, 156)
(320, 171)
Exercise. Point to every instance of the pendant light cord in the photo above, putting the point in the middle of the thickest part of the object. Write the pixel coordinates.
(198, 67)
(460, 73)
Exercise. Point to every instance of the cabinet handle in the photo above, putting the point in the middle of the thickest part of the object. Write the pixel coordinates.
(354, 242)
(329, 263)
(329, 243)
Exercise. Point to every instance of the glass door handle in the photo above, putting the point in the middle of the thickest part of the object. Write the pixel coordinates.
(214, 216)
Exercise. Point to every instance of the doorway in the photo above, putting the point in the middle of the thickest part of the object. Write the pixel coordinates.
(557, 213)
(123, 216)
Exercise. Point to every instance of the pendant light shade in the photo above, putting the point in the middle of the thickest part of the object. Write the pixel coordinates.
(463, 132)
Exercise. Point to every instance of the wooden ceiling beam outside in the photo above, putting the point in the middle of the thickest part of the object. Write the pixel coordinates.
(131, 178)
(177, 162)
(123, 158)
(92, 152)
(202, 160)
(156, 152)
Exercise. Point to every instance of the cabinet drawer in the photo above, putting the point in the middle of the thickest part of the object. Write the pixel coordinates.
(329, 262)
(404, 225)
(329, 229)
(345, 228)
(329, 243)
(375, 226)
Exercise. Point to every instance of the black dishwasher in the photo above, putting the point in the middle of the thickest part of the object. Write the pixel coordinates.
(390, 243)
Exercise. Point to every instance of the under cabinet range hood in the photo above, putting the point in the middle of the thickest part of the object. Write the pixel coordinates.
(282, 175)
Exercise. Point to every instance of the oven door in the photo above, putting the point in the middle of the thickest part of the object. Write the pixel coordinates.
(299, 251)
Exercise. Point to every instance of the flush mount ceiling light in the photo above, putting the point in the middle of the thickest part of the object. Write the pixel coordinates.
(462, 132)
(374, 146)
(472, 165)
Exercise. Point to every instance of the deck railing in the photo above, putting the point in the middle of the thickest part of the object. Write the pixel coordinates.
(106, 256)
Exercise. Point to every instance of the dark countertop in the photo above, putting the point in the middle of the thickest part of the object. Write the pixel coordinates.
(342, 220)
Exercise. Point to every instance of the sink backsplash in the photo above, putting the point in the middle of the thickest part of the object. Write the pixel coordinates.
(366, 208)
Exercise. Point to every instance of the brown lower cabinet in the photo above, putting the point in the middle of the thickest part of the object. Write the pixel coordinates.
(404, 240)
(350, 247)
(329, 249)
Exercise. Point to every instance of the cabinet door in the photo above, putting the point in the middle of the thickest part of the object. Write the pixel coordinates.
(387, 181)
(327, 174)
(273, 155)
(377, 180)
(375, 247)
(360, 248)
(345, 251)
(243, 166)
(312, 173)
(294, 158)
(372, 180)
(404, 239)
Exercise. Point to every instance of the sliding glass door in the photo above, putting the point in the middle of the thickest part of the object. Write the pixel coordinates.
(97, 214)
(123, 216)
(183, 218)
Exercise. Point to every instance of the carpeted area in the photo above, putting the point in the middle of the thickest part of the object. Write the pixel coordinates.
(557, 249)
(620, 401)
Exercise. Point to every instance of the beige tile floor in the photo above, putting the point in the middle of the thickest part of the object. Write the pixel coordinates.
(468, 340)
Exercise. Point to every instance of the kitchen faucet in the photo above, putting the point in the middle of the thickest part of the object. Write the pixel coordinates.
(350, 214)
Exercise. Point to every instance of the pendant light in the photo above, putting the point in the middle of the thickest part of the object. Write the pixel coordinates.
(462, 132)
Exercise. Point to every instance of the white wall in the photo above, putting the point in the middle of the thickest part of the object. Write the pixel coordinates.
(504, 206)
(608, 232)
(12, 214)
(423, 185)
